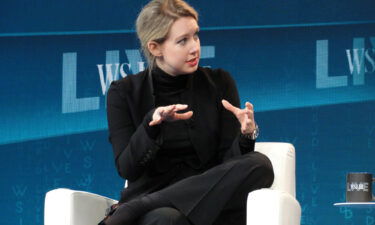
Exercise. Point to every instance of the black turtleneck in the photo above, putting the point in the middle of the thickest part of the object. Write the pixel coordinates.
(168, 85)
(169, 90)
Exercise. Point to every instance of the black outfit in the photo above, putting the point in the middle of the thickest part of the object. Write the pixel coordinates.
(199, 170)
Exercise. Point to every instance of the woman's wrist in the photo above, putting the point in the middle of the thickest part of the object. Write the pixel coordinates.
(152, 131)
(252, 135)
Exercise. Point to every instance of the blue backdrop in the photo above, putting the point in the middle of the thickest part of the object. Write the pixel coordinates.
(307, 66)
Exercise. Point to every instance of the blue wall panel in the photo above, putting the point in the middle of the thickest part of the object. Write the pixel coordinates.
(330, 141)
(308, 67)
(57, 16)
(29, 169)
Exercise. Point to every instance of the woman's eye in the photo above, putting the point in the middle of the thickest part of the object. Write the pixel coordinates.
(182, 41)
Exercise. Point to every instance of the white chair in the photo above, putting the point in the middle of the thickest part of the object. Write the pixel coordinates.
(276, 205)
(269, 206)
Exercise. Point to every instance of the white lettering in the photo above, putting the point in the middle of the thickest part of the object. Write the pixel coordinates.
(113, 69)
(105, 82)
(355, 60)
(122, 71)
(112, 58)
(322, 78)
(70, 102)
(19, 190)
(355, 186)
(359, 73)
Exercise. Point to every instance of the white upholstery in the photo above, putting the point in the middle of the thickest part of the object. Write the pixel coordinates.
(68, 207)
(282, 156)
(270, 206)
(276, 205)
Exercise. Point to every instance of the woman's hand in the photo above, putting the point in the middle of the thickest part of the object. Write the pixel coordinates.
(169, 113)
(245, 116)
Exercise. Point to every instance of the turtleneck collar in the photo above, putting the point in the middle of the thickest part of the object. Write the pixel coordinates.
(167, 84)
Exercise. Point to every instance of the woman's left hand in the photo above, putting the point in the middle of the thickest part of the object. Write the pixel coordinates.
(245, 116)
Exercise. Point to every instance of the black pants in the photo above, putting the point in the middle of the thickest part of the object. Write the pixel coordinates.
(219, 195)
(164, 216)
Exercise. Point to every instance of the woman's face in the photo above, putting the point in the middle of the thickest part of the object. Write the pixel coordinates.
(180, 52)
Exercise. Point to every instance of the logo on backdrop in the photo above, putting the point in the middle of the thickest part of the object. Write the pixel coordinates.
(361, 62)
(108, 72)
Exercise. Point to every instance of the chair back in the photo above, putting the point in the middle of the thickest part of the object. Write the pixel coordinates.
(282, 157)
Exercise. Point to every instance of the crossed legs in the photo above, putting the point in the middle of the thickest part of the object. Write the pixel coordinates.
(208, 198)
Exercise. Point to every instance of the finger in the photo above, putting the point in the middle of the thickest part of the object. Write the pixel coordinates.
(243, 128)
(158, 116)
(246, 126)
(229, 106)
(249, 113)
(183, 116)
(167, 111)
(157, 113)
(249, 106)
(179, 107)
(155, 122)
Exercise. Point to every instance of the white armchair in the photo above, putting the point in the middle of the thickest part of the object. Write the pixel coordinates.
(276, 205)
(269, 206)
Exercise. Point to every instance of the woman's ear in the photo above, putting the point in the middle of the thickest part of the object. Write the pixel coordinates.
(154, 48)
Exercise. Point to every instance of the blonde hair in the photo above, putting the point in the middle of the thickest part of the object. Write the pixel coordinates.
(155, 20)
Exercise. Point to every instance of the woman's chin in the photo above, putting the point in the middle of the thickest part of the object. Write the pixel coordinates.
(191, 69)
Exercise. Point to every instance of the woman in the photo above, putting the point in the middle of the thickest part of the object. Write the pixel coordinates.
(178, 134)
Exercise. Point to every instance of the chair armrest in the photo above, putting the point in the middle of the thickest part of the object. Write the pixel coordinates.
(282, 156)
(69, 207)
(272, 207)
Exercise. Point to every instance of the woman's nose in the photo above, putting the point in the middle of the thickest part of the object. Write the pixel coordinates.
(195, 47)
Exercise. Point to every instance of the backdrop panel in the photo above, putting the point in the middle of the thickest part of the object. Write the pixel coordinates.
(308, 68)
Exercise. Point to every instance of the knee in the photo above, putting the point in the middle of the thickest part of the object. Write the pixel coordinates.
(266, 169)
(261, 166)
(164, 216)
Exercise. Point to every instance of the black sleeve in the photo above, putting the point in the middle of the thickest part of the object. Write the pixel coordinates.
(134, 147)
(231, 142)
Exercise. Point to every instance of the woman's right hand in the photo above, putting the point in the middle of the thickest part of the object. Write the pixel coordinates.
(169, 113)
